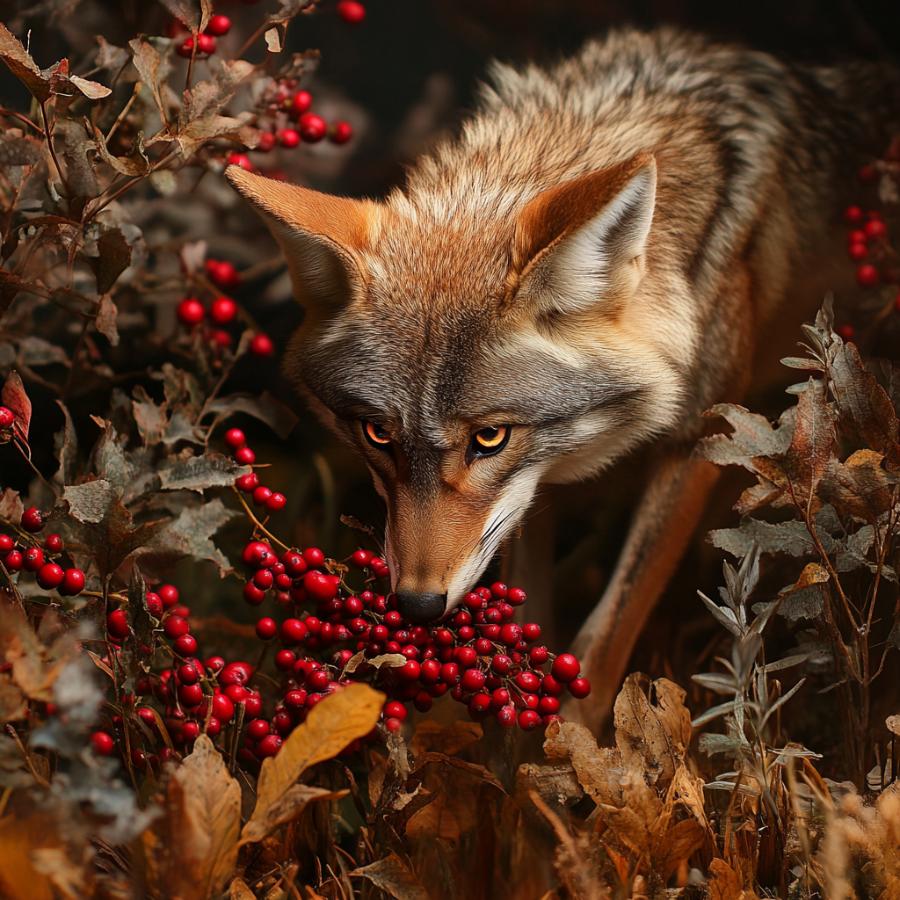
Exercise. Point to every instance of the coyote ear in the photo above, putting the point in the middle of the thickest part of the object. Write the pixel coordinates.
(321, 236)
(584, 241)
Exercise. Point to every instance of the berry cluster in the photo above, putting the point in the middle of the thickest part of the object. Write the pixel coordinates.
(218, 26)
(27, 554)
(222, 312)
(327, 634)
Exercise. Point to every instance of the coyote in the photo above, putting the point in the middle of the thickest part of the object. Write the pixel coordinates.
(593, 261)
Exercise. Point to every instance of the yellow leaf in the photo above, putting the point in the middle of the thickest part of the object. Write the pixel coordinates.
(201, 828)
(330, 726)
(19, 877)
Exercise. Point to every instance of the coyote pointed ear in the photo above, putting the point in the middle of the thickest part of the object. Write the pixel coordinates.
(583, 242)
(321, 236)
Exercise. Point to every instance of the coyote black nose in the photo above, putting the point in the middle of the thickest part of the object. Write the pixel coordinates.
(421, 608)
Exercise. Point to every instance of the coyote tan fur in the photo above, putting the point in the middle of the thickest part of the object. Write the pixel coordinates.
(594, 260)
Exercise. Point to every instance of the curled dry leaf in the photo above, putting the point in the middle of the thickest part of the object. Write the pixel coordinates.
(200, 831)
(330, 726)
(15, 397)
(22, 65)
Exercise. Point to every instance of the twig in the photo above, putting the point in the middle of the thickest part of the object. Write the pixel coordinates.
(259, 525)
(49, 138)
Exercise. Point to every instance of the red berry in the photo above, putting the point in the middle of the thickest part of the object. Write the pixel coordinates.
(579, 687)
(53, 543)
(73, 583)
(6, 543)
(241, 160)
(245, 456)
(190, 694)
(867, 275)
(222, 707)
(395, 709)
(269, 745)
(222, 273)
(223, 310)
(169, 595)
(175, 626)
(218, 25)
(190, 731)
(258, 729)
(33, 559)
(191, 311)
(32, 520)
(266, 629)
(247, 483)
(206, 44)
(506, 715)
(276, 502)
(565, 667)
(261, 345)
(472, 680)
(857, 252)
(351, 11)
(313, 556)
(340, 133)
(846, 331)
(293, 631)
(320, 586)
(117, 624)
(301, 102)
(50, 576)
(13, 560)
(529, 719)
(102, 743)
(188, 673)
(288, 137)
(185, 645)
(312, 127)
(266, 143)
(7, 417)
(853, 214)
(253, 594)
(261, 495)
(235, 438)
(186, 48)
(237, 672)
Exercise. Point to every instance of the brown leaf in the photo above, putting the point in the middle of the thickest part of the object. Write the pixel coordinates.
(197, 473)
(12, 702)
(15, 397)
(136, 164)
(32, 672)
(193, 14)
(285, 808)
(330, 726)
(147, 62)
(11, 506)
(555, 784)
(681, 842)
(107, 315)
(724, 883)
(202, 823)
(22, 65)
(864, 402)
(812, 444)
(273, 40)
(651, 737)
(240, 890)
(598, 769)
(113, 258)
(394, 877)
(859, 486)
(450, 738)
(93, 90)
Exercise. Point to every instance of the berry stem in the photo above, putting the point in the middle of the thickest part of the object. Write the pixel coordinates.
(259, 525)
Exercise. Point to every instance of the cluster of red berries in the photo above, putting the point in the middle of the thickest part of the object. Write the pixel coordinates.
(222, 312)
(271, 500)
(867, 243)
(28, 555)
(218, 26)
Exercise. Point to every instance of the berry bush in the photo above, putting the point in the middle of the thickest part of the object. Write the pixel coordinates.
(198, 700)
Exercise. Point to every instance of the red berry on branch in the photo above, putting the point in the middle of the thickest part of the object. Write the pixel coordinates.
(13, 560)
(223, 310)
(261, 345)
(301, 102)
(175, 626)
(867, 275)
(266, 142)
(247, 483)
(846, 331)
(253, 594)
(50, 576)
(579, 688)
(261, 495)
(351, 11)
(117, 624)
(269, 746)
(293, 631)
(288, 137)
(53, 543)
(266, 629)
(853, 214)
(857, 252)
(276, 502)
(102, 743)
(241, 160)
(32, 520)
(222, 273)
(73, 583)
(313, 556)
(258, 729)
(245, 456)
(190, 311)
(169, 595)
(6, 543)
(7, 417)
(875, 228)
(312, 127)
(33, 559)
(235, 438)
(218, 25)
(186, 645)
(340, 132)
(565, 667)
(206, 44)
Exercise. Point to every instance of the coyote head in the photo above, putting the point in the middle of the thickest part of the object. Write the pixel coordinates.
(470, 348)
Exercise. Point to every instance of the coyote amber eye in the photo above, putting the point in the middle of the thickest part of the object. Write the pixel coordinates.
(488, 441)
(376, 435)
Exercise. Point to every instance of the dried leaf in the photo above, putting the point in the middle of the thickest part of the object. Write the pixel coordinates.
(193, 14)
(394, 877)
(599, 769)
(22, 65)
(134, 165)
(330, 726)
(15, 397)
(197, 473)
(201, 828)
(273, 40)
(789, 537)
(91, 501)
(191, 535)
(265, 407)
(147, 61)
(19, 838)
(113, 259)
(812, 444)
(286, 808)
(107, 316)
(93, 90)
